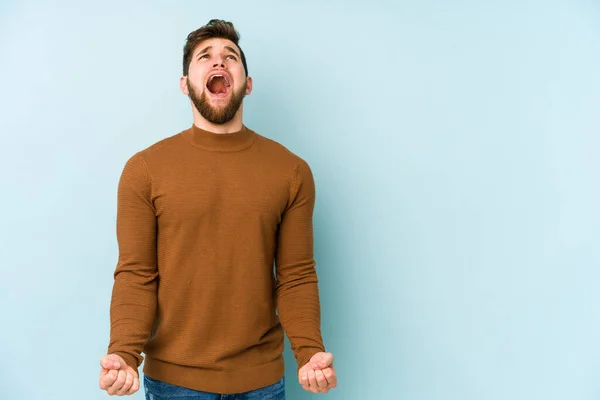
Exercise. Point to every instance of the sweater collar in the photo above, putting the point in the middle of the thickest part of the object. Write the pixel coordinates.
(211, 141)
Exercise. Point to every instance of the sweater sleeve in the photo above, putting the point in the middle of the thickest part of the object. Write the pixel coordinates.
(297, 284)
(134, 295)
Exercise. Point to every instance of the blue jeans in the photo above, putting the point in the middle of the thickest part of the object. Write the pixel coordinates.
(158, 390)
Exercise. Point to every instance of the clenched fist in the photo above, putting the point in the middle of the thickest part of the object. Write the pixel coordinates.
(318, 375)
(116, 377)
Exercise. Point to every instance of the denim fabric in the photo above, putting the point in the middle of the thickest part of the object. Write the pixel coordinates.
(158, 390)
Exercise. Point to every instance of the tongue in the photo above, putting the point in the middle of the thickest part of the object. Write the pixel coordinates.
(217, 86)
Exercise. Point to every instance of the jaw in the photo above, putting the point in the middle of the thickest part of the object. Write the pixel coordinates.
(217, 110)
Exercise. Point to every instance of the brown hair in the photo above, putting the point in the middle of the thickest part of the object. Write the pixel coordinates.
(216, 28)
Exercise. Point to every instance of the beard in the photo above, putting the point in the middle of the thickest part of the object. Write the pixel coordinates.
(216, 115)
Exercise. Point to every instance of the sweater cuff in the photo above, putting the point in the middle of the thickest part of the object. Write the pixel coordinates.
(303, 356)
(130, 360)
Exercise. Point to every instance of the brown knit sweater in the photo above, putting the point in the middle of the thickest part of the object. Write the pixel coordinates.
(215, 261)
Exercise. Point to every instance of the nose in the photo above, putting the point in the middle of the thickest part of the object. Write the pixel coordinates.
(219, 62)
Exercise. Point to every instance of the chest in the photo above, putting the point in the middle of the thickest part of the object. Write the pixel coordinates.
(220, 193)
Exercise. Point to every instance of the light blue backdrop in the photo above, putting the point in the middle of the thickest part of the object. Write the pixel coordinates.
(455, 147)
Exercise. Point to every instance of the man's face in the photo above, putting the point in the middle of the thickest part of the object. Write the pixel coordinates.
(216, 82)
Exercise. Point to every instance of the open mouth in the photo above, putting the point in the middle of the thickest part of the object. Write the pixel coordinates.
(218, 85)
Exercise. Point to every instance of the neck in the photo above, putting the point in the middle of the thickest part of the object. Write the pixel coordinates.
(234, 125)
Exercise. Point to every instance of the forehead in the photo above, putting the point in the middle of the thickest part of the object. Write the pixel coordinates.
(216, 44)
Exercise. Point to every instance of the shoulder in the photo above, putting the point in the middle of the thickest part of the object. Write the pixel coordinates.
(162, 148)
(296, 169)
(280, 153)
(153, 157)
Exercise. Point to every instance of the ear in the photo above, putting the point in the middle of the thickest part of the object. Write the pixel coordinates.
(183, 85)
(248, 85)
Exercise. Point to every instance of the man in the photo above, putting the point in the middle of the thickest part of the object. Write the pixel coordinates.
(202, 218)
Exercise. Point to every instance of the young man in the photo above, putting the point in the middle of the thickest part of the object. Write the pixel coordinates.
(202, 218)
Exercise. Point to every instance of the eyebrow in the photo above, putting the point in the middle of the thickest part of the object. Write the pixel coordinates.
(204, 50)
(207, 48)
(231, 49)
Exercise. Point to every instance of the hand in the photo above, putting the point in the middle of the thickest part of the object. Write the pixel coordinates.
(318, 375)
(116, 377)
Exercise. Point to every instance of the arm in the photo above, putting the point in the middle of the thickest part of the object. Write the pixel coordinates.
(297, 291)
(134, 295)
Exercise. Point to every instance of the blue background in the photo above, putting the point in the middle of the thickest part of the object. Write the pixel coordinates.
(455, 151)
